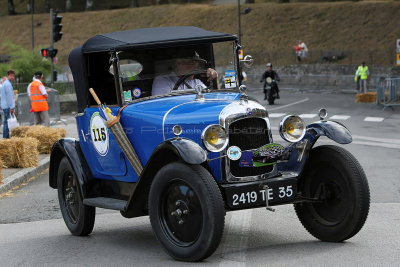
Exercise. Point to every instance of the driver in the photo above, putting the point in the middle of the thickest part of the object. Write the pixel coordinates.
(165, 83)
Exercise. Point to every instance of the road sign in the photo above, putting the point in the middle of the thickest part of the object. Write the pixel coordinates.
(240, 52)
(398, 46)
(398, 59)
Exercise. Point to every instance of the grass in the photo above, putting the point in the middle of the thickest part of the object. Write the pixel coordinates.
(270, 28)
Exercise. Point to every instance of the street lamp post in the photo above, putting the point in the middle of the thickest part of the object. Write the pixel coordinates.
(239, 27)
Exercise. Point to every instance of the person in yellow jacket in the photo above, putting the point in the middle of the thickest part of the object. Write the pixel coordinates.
(362, 75)
(38, 96)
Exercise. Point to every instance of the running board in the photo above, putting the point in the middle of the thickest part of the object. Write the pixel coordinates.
(106, 203)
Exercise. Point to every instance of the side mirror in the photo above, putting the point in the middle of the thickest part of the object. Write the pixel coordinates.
(247, 61)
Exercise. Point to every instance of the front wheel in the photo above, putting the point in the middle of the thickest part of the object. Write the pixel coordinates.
(186, 211)
(78, 217)
(335, 177)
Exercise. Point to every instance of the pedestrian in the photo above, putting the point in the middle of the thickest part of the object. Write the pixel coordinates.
(38, 96)
(2, 80)
(298, 51)
(357, 80)
(244, 77)
(7, 101)
(303, 49)
(363, 73)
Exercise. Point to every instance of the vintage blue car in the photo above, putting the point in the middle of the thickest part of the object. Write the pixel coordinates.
(160, 136)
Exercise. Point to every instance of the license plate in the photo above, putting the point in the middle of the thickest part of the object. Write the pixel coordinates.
(252, 195)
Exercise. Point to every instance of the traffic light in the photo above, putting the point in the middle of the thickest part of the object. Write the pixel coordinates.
(45, 52)
(57, 26)
(48, 53)
(54, 75)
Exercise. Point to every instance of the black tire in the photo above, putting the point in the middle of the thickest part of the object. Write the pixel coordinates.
(271, 99)
(344, 210)
(186, 193)
(78, 217)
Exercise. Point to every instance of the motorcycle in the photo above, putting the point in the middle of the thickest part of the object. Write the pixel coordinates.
(270, 90)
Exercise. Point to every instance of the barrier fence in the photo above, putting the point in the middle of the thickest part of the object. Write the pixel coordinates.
(25, 117)
(388, 92)
(62, 87)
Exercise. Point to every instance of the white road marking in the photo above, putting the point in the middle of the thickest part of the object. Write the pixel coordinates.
(234, 251)
(374, 119)
(368, 141)
(276, 115)
(339, 117)
(377, 139)
(307, 116)
(291, 104)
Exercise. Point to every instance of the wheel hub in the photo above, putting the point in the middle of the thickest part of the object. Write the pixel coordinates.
(181, 211)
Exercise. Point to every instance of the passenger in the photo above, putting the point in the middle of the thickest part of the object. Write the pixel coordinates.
(164, 84)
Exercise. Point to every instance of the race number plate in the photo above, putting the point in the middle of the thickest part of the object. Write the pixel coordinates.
(253, 195)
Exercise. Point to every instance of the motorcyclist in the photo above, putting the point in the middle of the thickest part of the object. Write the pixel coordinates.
(274, 76)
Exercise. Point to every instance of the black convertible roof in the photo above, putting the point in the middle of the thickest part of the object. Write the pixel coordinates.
(152, 37)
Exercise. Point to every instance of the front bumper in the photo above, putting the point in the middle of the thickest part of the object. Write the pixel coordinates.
(278, 190)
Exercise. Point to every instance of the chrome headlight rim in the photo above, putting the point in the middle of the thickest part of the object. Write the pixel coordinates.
(281, 133)
(207, 145)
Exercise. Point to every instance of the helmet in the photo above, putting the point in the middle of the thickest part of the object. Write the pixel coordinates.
(269, 65)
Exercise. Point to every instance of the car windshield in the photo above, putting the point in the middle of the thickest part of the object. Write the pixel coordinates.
(170, 70)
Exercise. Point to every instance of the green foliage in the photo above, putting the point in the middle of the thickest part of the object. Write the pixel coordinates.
(24, 62)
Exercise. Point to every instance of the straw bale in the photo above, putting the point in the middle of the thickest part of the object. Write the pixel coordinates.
(19, 152)
(369, 97)
(1, 171)
(19, 131)
(46, 136)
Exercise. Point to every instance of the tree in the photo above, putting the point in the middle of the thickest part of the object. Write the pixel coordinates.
(11, 9)
(24, 62)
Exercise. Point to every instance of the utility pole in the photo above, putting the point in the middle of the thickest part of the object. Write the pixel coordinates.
(33, 38)
(239, 28)
(51, 46)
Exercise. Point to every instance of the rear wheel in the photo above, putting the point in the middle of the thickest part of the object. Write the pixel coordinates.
(78, 217)
(335, 177)
(186, 211)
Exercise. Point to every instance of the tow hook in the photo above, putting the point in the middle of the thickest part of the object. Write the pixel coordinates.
(265, 187)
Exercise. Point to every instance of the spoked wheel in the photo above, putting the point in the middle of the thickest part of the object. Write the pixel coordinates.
(186, 211)
(78, 217)
(336, 178)
(271, 99)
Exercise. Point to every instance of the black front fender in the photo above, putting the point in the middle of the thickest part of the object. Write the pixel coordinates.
(333, 130)
(300, 150)
(169, 151)
(70, 148)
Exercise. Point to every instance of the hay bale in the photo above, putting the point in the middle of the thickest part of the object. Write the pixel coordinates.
(1, 171)
(369, 97)
(19, 131)
(46, 136)
(19, 152)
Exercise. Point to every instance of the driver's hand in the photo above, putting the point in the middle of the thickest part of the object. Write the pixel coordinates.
(211, 74)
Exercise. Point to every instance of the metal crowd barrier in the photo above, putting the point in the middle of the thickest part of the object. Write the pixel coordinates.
(388, 92)
(25, 117)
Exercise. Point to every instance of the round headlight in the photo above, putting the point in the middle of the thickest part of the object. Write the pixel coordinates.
(292, 129)
(214, 138)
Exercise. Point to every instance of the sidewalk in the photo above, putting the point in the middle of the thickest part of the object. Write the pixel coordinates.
(15, 176)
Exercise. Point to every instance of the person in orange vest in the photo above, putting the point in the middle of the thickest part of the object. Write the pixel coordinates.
(38, 96)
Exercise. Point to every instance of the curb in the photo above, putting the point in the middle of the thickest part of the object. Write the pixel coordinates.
(23, 175)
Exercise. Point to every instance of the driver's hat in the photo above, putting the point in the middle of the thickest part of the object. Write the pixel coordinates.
(194, 56)
(269, 65)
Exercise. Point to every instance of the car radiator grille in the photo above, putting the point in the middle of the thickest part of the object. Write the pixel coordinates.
(247, 134)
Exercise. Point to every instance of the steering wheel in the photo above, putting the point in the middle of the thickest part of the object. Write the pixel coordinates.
(187, 75)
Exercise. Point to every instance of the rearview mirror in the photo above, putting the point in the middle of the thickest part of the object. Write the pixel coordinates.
(247, 61)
